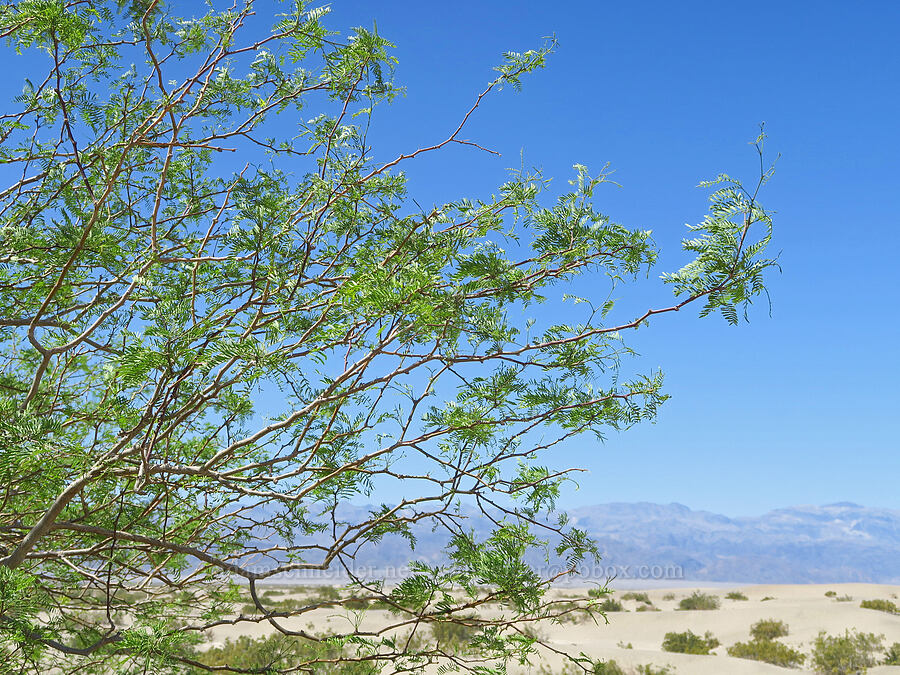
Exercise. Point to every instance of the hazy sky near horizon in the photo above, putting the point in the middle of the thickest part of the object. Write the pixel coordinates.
(799, 407)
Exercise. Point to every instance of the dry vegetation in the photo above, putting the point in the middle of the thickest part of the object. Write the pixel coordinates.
(733, 638)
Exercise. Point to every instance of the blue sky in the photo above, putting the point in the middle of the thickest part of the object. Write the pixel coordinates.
(794, 409)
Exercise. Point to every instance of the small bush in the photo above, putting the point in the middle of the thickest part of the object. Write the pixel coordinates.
(650, 669)
(767, 598)
(735, 595)
(276, 652)
(355, 603)
(452, 635)
(611, 605)
(640, 597)
(892, 655)
(534, 632)
(768, 651)
(571, 612)
(768, 629)
(845, 654)
(647, 608)
(830, 594)
(689, 643)
(326, 592)
(698, 600)
(606, 668)
(881, 606)
(669, 596)
(623, 645)
(276, 605)
(844, 598)
(601, 668)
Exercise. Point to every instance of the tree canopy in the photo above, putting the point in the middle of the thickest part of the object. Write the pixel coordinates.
(222, 321)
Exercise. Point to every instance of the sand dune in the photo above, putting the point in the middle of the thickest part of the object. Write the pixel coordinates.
(805, 608)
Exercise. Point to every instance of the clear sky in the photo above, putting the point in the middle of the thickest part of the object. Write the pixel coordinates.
(798, 408)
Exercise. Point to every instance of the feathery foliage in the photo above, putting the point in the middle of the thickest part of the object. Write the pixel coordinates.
(222, 322)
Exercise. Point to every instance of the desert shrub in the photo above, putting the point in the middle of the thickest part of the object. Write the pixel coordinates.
(767, 598)
(768, 629)
(278, 652)
(698, 600)
(689, 643)
(355, 603)
(830, 594)
(276, 605)
(844, 598)
(845, 654)
(769, 651)
(535, 632)
(121, 596)
(601, 668)
(571, 611)
(454, 635)
(624, 645)
(892, 655)
(611, 605)
(326, 592)
(606, 668)
(669, 596)
(881, 606)
(735, 595)
(310, 272)
(647, 608)
(650, 669)
(640, 597)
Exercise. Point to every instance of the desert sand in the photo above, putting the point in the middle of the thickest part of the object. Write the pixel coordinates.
(805, 608)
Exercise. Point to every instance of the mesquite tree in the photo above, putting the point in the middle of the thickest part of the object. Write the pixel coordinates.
(222, 321)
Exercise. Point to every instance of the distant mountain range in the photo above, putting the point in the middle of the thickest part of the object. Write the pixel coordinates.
(802, 544)
(841, 542)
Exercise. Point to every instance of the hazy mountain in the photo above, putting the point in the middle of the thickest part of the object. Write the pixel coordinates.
(670, 542)
(837, 542)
